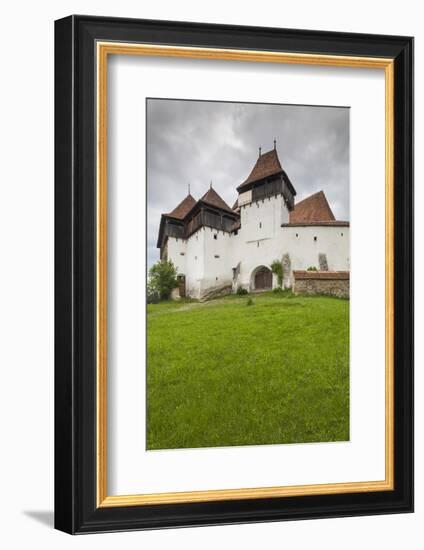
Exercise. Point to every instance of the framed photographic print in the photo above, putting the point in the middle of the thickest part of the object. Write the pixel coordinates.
(234, 287)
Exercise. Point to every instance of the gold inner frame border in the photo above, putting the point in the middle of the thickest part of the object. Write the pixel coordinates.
(103, 50)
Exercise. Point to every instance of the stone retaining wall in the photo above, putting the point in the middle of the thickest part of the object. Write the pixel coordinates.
(215, 292)
(331, 283)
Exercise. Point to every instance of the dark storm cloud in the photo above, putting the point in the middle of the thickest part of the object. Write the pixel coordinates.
(195, 142)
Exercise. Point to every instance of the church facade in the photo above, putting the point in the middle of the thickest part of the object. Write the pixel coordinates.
(216, 248)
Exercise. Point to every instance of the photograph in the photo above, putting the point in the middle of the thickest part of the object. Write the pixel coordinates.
(209, 309)
(248, 272)
(226, 349)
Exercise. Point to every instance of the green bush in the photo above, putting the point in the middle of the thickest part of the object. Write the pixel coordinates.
(278, 269)
(249, 302)
(241, 291)
(153, 295)
(162, 279)
(312, 268)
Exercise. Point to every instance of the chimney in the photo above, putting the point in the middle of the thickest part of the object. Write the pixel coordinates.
(260, 151)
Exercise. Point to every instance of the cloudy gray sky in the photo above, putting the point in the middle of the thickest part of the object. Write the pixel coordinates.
(194, 142)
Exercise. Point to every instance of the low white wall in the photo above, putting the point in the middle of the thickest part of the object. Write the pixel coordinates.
(300, 244)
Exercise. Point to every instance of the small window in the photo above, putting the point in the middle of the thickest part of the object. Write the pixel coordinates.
(297, 234)
(216, 278)
(215, 236)
(195, 257)
(315, 239)
(341, 234)
(260, 225)
(216, 256)
(197, 237)
(181, 253)
(236, 232)
(258, 244)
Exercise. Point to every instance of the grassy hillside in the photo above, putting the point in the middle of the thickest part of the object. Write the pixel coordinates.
(227, 373)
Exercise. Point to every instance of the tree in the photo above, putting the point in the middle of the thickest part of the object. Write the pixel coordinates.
(163, 278)
(277, 269)
(153, 296)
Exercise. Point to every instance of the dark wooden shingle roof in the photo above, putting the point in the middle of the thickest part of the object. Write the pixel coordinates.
(181, 211)
(312, 209)
(267, 165)
(211, 197)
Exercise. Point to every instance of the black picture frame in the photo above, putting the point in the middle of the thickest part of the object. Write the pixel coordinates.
(76, 510)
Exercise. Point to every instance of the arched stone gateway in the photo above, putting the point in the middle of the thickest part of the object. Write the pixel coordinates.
(261, 278)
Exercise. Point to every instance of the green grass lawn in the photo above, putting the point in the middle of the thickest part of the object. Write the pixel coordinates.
(225, 373)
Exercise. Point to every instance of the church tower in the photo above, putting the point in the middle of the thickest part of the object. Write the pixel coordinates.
(266, 198)
(266, 179)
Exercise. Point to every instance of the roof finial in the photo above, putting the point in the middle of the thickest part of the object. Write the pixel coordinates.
(211, 184)
(189, 189)
(275, 144)
(260, 150)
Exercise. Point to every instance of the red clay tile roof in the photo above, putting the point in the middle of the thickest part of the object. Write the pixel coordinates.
(180, 211)
(331, 275)
(211, 197)
(267, 165)
(312, 209)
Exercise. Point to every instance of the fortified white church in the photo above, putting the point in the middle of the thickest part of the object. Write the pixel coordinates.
(216, 248)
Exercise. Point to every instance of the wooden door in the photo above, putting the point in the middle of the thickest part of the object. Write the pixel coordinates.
(263, 279)
(182, 286)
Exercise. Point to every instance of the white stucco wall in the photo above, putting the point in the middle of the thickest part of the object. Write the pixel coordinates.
(208, 262)
(188, 257)
(303, 250)
(245, 197)
(330, 240)
(195, 265)
(177, 250)
(259, 240)
(263, 219)
(219, 255)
